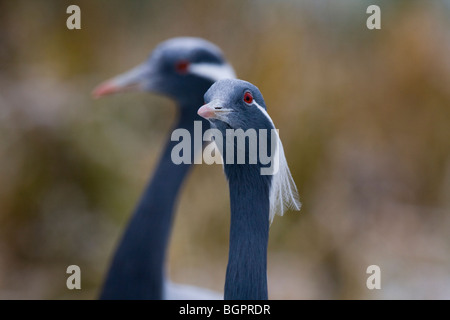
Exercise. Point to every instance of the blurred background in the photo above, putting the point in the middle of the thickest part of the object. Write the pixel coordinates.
(364, 116)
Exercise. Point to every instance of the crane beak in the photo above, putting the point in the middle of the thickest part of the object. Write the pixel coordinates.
(206, 112)
(134, 80)
(214, 110)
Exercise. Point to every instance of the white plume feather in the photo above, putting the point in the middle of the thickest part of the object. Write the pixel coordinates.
(283, 191)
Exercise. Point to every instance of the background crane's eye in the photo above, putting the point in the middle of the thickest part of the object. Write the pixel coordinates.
(182, 66)
(248, 98)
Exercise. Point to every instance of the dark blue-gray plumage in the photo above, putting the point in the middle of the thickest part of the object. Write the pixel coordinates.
(254, 197)
(182, 69)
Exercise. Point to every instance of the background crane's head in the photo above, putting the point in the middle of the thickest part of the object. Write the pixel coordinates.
(180, 68)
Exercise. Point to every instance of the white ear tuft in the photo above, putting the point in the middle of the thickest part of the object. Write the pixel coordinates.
(213, 71)
(283, 192)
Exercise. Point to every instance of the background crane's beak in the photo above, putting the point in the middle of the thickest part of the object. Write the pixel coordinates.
(133, 80)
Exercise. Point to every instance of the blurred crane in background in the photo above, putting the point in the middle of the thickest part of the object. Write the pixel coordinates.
(182, 69)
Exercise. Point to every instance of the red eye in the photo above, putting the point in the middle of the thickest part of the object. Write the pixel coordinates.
(182, 66)
(248, 98)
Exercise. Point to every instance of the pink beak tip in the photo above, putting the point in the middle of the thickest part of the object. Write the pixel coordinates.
(205, 112)
(103, 89)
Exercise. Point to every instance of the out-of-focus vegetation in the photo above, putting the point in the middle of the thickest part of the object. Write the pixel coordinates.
(364, 117)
